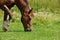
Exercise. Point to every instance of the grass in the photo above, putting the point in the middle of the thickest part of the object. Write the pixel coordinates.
(46, 23)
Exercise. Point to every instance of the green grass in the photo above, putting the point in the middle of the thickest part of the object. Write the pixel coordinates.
(46, 23)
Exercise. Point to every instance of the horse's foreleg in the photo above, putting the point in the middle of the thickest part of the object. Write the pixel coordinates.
(6, 21)
(7, 13)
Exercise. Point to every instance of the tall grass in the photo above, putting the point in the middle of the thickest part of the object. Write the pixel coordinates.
(51, 4)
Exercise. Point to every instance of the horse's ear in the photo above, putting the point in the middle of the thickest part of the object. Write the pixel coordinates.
(31, 13)
(30, 10)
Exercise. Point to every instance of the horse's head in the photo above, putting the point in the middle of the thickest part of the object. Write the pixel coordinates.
(26, 20)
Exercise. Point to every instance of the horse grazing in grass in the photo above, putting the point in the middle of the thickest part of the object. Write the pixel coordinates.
(26, 13)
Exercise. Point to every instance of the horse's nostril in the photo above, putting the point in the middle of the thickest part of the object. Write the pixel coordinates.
(28, 30)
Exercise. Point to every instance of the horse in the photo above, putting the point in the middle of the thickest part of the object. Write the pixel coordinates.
(25, 9)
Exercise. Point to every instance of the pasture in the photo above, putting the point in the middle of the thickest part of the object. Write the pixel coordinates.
(46, 23)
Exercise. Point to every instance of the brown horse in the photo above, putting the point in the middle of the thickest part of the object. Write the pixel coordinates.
(26, 13)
